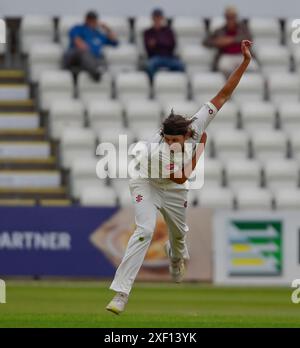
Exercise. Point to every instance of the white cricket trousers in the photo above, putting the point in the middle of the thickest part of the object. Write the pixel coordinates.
(148, 198)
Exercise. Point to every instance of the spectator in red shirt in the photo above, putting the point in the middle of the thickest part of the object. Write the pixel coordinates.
(227, 40)
(160, 43)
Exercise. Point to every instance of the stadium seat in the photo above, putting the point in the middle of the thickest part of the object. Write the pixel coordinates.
(287, 198)
(35, 29)
(231, 144)
(76, 143)
(284, 87)
(288, 30)
(105, 113)
(143, 114)
(265, 31)
(289, 115)
(215, 197)
(170, 86)
(251, 88)
(196, 58)
(43, 57)
(111, 135)
(184, 108)
(54, 85)
(281, 173)
(227, 118)
(295, 144)
(65, 24)
(269, 143)
(83, 174)
(188, 30)
(206, 85)
(121, 58)
(140, 25)
(120, 25)
(132, 86)
(251, 198)
(216, 23)
(273, 58)
(89, 90)
(296, 56)
(63, 114)
(258, 115)
(100, 196)
(243, 173)
(213, 172)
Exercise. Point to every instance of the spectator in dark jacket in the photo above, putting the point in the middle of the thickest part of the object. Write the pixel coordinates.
(86, 45)
(227, 40)
(160, 44)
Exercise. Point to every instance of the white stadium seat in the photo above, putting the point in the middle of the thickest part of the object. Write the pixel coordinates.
(296, 56)
(185, 108)
(251, 198)
(251, 88)
(289, 115)
(121, 58)
(65, 24)
(76, 143)
(35, 29)
(295, 144)
(140, 25)
(89, 90)
(114, 134)
(83, 174)
(205, 85)
(258, 115)
(54, 85)
(273, 58)
(63, 114)
(43, 57)
(188, 30)
(105, 113)
(196, 58)
(269, 143)
(119, 25)
(231, 144)
(170, 86)
(287, 198)
(215, 197)
(212, 172)
(243, 173)
(284, 87)
(265, 31)
(98, 195)
(281, 173)
(216, 23)
(227, 118)
(132, 86)
(143, 114)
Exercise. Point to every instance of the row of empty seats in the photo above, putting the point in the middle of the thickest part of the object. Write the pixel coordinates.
(137, 118)
(210, 197)
(189, 30)
(167, 87)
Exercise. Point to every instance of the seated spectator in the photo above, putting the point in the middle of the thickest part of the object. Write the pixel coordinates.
(86, 45)
(228, 42)
(160, 43)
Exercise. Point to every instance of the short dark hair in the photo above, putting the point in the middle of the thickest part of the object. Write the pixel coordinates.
(91, 15)
(177, 125)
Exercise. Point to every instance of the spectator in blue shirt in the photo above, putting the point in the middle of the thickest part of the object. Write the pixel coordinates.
(86, 45)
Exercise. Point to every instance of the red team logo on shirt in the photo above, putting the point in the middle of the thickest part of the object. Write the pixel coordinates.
(138, 198)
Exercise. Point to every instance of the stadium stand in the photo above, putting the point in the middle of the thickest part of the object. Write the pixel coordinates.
(50, 123)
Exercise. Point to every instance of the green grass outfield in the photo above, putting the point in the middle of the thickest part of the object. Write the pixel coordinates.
(81, 304)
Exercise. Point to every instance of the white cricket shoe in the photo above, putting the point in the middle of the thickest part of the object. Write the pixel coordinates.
(176, 266)
(118, 303)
